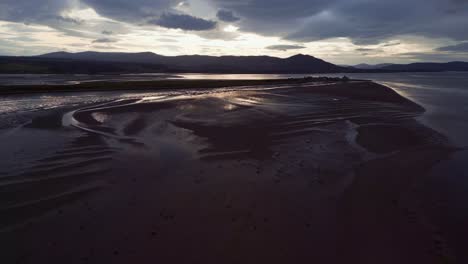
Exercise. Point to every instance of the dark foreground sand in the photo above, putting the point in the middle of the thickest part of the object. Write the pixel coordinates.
(299, 173)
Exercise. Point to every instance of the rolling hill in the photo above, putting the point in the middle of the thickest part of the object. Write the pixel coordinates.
(91, 62)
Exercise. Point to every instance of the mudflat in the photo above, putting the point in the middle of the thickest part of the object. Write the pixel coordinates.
(271, 172)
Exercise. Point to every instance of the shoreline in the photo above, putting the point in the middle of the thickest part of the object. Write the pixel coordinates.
(219, 174)
(157, 85)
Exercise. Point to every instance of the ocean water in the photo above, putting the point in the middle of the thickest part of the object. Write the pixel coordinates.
(443, 95)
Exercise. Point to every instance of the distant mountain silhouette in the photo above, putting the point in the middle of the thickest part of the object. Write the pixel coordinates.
(197, 63)
(91, 62)
(428, 67)
(141, 57)
(365, 66)
(39, 65)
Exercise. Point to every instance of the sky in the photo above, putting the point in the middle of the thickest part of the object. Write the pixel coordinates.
(344, 32)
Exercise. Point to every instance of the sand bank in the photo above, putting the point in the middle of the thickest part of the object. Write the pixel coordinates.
(317, 172)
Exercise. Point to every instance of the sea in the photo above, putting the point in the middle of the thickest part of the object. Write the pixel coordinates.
(444, 95)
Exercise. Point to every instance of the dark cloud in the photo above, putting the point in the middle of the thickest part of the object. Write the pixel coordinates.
(183, 21)
(227, 16)
(132, 11)
(32, 11)
(462, 47)
(69, 20)
(107, 32)
(104, 47)
(104, 40)
(273, 17)
(391, 44)
(363, 21)
(285, 47)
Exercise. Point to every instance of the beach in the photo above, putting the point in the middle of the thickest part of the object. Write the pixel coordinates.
(276, 171)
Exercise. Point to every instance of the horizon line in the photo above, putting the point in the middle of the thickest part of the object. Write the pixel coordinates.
(220, 56)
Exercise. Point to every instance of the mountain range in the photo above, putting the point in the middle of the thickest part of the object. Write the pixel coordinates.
(90, 62)
(197, 63)
(365, 66)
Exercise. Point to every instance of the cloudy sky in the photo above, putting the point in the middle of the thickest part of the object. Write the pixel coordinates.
(340, 31)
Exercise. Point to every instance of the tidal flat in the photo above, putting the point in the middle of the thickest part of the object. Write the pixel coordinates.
(187, 171)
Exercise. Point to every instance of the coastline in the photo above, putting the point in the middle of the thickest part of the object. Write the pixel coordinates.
(267, 171)
(154, 85)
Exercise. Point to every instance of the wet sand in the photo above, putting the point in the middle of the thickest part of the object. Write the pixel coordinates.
(316, 172)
